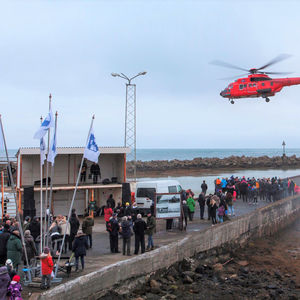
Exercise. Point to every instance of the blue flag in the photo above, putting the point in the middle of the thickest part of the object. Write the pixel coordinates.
(91, 151)
(46, 124)
(42, 150)
(52, 150)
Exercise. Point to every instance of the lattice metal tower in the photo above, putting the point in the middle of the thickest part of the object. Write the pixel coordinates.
(130, 118)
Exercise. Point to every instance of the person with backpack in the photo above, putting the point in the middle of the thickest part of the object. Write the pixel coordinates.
(221, 213)
(126, 235)
(113, 229)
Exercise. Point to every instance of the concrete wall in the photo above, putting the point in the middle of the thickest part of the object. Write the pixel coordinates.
(263, 221)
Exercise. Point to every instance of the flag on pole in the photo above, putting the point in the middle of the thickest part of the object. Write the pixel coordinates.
(46, 124)
(42, 150)
(91, 151)
(52, 152)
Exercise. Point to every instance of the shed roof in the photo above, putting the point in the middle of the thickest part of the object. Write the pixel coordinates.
(74, 150)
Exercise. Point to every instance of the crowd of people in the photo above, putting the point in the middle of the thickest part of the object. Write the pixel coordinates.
(220, 204)
(122, 222)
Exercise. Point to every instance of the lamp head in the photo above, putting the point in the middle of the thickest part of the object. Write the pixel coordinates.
(143, 73)
(115, 74)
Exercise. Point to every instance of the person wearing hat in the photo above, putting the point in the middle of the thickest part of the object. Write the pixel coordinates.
(30, 247)
(14, 249)
(4, 282)
(15, 288)
(128, 210)
(80, 246)
(47, 268)
(10, 269)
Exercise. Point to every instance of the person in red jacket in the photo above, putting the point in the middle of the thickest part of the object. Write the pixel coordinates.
(47, 268)
(107, 213)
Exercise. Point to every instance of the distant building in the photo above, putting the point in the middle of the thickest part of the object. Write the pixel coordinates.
(112, 162)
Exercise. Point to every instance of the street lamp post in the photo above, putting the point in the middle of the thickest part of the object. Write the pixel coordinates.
(130, 117)
(283, 148)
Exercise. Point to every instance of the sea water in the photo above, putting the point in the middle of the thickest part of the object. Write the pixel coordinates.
(189, 154)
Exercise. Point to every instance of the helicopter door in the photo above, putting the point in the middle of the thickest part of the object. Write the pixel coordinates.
(251, 88)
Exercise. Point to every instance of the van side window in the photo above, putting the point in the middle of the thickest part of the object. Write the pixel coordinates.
(146, 192)
(172, 189)
(179, 189)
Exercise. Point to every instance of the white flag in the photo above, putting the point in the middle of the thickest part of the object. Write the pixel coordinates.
(91, 151)
(52, 150)
(46, 124)
(42, 150)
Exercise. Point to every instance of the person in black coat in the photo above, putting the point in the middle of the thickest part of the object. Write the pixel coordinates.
(4, 236)
(74, 224)
(186, 211)
(139, 228)
(204, 187)
(126, 235)
(113, 229)
(208, 206)
(111, 202)
(201, 201)
(79, 248)
(34, 228)
(95, 171)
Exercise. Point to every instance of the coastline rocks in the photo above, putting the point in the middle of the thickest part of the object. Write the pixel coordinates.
(238, 162)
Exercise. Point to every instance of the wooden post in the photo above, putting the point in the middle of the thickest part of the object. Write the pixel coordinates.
(92, 200)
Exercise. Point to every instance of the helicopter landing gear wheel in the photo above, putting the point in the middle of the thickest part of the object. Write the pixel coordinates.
(267, 100)
(232, 102)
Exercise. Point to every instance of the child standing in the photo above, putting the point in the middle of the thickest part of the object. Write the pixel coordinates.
(47, 268)
(14, 289)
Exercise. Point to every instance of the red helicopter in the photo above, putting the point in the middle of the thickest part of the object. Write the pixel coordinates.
(258, 83)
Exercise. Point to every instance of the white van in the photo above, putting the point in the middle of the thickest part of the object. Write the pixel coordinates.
(145, 191)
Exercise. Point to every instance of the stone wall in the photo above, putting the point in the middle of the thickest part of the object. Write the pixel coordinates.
(264, 221)
(231, 162)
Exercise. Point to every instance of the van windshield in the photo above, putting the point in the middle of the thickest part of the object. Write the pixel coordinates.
(146, 192)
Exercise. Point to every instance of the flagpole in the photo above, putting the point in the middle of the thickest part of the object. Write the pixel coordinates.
(47, 172)
(73, 199)
(41, 200)
(14, 192)
(2, 191)
(51, 186)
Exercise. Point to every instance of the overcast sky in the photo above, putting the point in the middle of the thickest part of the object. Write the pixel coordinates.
(70, 48)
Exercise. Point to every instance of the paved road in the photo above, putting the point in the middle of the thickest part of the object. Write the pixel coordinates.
(100, 255)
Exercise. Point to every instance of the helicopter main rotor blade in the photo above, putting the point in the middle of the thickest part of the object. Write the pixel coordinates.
(276, 73)
(234, 77)
(275, 60)
(226, 65)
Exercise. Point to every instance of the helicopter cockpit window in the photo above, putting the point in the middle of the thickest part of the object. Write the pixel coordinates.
(241, 86)
(263, 84)
(250, 85)
(245, 85)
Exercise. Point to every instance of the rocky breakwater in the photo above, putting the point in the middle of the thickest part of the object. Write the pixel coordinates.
(231, 162)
